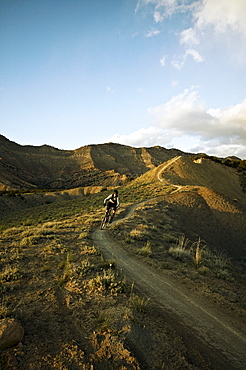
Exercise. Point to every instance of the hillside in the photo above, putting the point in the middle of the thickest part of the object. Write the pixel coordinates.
(45, 167)
(205, 200)
(80, 308)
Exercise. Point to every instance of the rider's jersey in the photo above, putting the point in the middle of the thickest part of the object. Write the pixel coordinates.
(115, 200)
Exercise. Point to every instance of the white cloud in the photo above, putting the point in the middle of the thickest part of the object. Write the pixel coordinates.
(152, 33)
(184, 119)
(150, 136)
(222, 15)
(195, 55)
(188, 114)
(212, 22)
(163, 61)
(189, 37)
(109, 90)
(179, 63)
(162, 9)
(174, 83)
(158, 17)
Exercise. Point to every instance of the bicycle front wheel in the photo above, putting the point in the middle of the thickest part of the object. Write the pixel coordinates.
(104, 222)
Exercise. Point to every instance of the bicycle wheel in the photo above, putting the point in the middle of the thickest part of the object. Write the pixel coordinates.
(110, 216)
(104, 221)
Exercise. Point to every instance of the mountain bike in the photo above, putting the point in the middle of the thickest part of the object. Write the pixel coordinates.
(107, 218)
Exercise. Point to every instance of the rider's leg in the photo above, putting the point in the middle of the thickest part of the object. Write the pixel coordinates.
(112, 216)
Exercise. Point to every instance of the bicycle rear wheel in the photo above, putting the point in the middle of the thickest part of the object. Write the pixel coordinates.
(110, 216)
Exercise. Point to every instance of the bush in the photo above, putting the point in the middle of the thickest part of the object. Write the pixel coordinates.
(106, 282)
(145, 251)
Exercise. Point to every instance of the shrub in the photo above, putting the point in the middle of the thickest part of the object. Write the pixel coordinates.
(106, 282)
(137, 303)
(145, 251)
(10, 273)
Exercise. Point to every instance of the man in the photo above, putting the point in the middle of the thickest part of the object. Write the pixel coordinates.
(112, 201)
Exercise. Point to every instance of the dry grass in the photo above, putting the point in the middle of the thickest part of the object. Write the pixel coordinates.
(55, 269)
(55, 282)
(74, 303)
(145, 250)
(209, 272)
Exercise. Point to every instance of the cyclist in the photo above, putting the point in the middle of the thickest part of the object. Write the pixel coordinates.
(112, 201)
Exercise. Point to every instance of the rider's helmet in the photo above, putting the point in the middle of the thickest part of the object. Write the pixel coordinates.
(116, 191)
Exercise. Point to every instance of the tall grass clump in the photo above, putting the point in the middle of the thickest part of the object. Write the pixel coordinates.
(136, 302)
(66, 267)
(198, 249)
(203, 258)
(145, 251)
(218, 263)
(181, 251)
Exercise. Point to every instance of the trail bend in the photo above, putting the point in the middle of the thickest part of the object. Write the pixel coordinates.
(162, 169)
(222, 336)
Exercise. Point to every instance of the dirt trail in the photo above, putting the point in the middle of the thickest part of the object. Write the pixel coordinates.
(220, 338)
(219, 332)
(162, 169)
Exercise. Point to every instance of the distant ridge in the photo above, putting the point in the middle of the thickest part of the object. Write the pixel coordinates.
(28, 167)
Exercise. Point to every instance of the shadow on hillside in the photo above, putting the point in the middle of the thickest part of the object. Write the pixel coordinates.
(223, 231)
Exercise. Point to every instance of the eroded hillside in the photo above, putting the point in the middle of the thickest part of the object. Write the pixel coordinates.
(77, 309)
(27, 167)
(207, 201)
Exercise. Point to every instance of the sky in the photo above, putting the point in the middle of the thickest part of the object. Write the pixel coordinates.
(135, 72)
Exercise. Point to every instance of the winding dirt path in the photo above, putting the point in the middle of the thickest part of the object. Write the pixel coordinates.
(162, 169)
(220, 338)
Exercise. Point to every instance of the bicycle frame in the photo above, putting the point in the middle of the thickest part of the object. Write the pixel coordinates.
(107, 217)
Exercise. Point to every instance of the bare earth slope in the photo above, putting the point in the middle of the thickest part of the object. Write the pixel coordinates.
(209, 203)
(25, 167)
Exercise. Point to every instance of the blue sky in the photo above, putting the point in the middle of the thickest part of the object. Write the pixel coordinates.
(135, 72)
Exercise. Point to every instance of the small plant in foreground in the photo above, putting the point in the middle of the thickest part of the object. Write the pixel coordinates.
(145, 251)
(198, 252)
(181, 251)
(3, 309)
(10, 273)
(106, 282)
(136, 302)
(102, 321)
(66, 270)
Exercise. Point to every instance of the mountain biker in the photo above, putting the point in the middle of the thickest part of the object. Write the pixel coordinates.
(112, 201)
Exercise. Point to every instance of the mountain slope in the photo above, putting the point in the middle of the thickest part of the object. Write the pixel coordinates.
(203, 199)
(23, 167)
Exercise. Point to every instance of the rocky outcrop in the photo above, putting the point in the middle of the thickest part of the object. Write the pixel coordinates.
(11, 333)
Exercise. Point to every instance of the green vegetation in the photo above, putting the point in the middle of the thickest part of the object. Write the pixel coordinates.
(53, 212)
(20, 192)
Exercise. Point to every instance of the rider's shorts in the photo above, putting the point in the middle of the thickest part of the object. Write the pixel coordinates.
(111, 205)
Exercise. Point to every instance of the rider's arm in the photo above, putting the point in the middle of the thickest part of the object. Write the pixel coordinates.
(105, 200)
